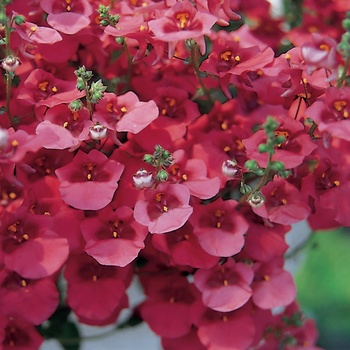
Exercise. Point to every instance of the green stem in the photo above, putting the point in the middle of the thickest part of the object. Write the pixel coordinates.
(263, 181)
(195, 65)
(8, 96)
(344, 73)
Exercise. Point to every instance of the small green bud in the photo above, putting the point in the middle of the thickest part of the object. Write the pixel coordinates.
(251, 165)
(263, 148)
(75, 105)
(104, 22)
(279, 140)
(346, 24)
(284, 173)
(259, 171)
(162, 175)
(97, 89)
(120, 40)
(277, 165)
(81, 84)
(19, 19)
(148, 158)
(244, 189)
(270, 126)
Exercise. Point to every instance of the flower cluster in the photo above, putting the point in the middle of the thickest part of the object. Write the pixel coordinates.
(175, 142)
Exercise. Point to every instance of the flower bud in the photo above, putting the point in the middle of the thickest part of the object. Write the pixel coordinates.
(3, 138)
(162, 175)
(230, 168)
(10, 63)
(98, 132)
(143, 179)
(76, 105)
(256, 199)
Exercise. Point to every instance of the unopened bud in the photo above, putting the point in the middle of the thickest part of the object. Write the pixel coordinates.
(143, 179)
(256, 199)
(230, 168)
(10, 63)
(3, 138)
(98, 132)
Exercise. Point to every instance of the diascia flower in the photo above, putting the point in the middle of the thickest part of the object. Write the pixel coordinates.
(89, 182)
(113, 237)
(164, 209)
(219, 227)
(225, 288)
(182, 22)
(67, 16)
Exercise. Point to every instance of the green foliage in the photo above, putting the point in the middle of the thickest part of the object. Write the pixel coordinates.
(324, 287)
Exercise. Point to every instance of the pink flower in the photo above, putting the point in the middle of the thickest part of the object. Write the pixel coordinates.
(297, 145)
(182, 21)
(95, 291)
(219, 227)
(125, 112)
(183, 248)
(192, 173)
(67, 16)
(227, 330)
(29, 299)
(272, 286)
(19, 334)
(29, 245)
(164, 209)
(89, 182)
(40, 35)
(42, 88)
(168, 308)
(113, 237)
(283, 203)
(225, 287)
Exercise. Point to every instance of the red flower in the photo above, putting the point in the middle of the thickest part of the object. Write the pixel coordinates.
(226, 330)
(67, 16)
(272, 286)
(164, 209)
(125, 112)
(297, 145)
(70, 127)
(183, 248)
(40, 35)
(31, 300)
(29, 245)
(181, 22)
(89, 182)
(321, 52)
(168, 308)
(192, 173)
(283, 203)
(113, 237)
(95, 291)
(44, 89)
(225, 287)
(219, 227)
(331, 113)
(20, 335)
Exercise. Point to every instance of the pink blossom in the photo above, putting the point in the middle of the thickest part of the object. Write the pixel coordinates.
(164, 209)
(89, 182)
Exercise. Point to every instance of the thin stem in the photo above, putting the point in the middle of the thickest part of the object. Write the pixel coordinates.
(195, 65)
(263, 181)
(8, 96)
(344, 73)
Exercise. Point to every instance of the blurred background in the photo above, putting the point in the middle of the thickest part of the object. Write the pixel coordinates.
(323, 282)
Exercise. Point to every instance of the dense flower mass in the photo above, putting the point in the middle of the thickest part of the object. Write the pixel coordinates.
(171, 142)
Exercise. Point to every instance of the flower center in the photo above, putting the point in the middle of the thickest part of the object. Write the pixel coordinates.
(226, 56)
(182, 18)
